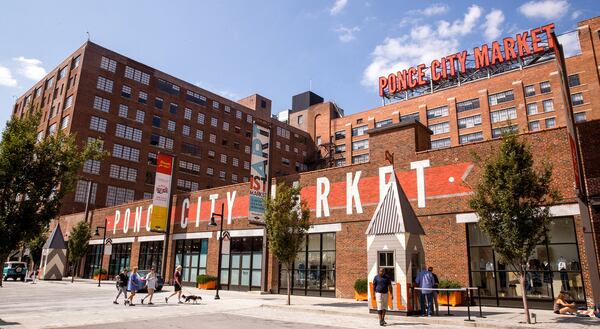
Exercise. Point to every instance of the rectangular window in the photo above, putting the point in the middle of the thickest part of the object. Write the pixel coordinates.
(246, 165)
(189, 167)
(139, 116)
(503, 97)
(158, 103)
(363, 158)
(497, 132)
(223, 158)
(126, 153)
(249, 118)
(201, 118)
(238, 114)
(156, 121)
(469, 138)
(123, 111)
(118, 195)
(186, 185)
(340, 135)
(129, 133)
(212, 138)
(360, 145)
(440, 143)
(437, 112)
(222, 175)
(216, 105)
(98, 124)
(190, 149)
(214, 122)
(185, 130)
(359, 131)
(75, 62)
(69, 102)
(150, 252)
(234, 178)
(126, 91)
(470, 122)
(235, 162)
(383, 123)
(123, 173)
(532, 109)
(63, 72)
(545, 87)
(340, 148)
(227, 109)
(81, 190)
(548, 105)
(171, 125)
(187, 114)
(225, 125)
(386, 261)
(467, 105)
(105, 84)
(247, 149)
(410, 116)
(108, 64)
(173, 108)
(529, 90)
(577, 99)
(137, 75)
(210, 171)
(534, 125)
(550, 123)
(211, 154)
(64, 123)
(339, 162)
(504, 115)
(161, 141)
(574, 80)
(168, 87)
(199, 134)
(142, 97)
(195, 98)
(91, 167)
(285, 161)
(440, 128)
(580, 117)
(152, 159)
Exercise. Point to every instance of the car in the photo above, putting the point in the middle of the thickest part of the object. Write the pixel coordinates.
(160, 282)
(14, 270)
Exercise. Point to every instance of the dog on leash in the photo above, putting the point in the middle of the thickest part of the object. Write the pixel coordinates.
(193, 298)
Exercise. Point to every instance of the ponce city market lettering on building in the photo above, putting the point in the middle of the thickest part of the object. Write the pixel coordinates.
(524, 44)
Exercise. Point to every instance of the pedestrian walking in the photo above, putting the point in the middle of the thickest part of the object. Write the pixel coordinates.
(382, 284)
(150, 285)
(133, 285)
(177, 285)
(425, 281)
(122, 280)
(436, 283)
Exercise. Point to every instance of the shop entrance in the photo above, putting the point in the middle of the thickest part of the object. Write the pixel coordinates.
(241, 268)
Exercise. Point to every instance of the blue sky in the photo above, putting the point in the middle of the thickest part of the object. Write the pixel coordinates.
(274, 48)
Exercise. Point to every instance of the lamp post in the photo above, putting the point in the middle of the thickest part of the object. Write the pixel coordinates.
(103, 228)
(212, 223)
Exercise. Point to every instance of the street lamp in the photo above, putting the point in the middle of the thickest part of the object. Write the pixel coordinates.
(103, 228)
(213, 223)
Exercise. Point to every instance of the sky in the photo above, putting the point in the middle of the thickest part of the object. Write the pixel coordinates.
(337, 48)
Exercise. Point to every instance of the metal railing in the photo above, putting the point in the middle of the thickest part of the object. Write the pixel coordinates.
(468, 290)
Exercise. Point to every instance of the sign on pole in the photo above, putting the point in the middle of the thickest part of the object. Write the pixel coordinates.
(259, 170)
(162, 192)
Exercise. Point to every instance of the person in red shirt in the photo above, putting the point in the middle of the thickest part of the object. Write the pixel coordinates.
(177, 285)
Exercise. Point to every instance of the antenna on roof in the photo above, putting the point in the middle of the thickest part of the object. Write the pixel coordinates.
(88, 35)
(310, 85)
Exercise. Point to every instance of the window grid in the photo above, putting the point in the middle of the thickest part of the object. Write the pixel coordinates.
(123, 111)
(91, 167)
(437, 112)
(532, 109)
(126, 152)
(504, 115)
(105, 84)
(108, 64)
(118, 195)
(139, 116)
(98, 124)
(440, 128)
(470, 122)
(101, 104)
(503, 97)
(123, 173)
(127, 132)
(440, 143)
(547, 105)
(469, 138)
(137, 75)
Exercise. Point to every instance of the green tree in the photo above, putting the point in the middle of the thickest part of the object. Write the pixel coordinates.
(511, 200)
(35, 246)
(35, 175)
(80, 235)
(286, 220)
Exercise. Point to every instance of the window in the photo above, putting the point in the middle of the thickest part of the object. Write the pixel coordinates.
(148, 196)
(216, 105)
(469, 138)
(437, 112)
(440, 143)
(383, 123)
(123, 111)
(545, 87)
(214, 121)
(129, 133)
(409, 117)
(223, 158)
(195, 98)
(81, 190)
(283, 132)
(168, 87)
(227, 109)
(49, 83)
(577, 99)
(143, 97)
(190, 149)
(285, 161)
(246, 165)
(574, 80)
(502, 97)
(98, 124)
(340, 135)
(550, 123)
(359, 121)
(238, 114)
(52, 129)
(212, 138)
(118, 195)
(156, 121)
(104, 84)
(209, 171)
(385, 260)
(171, 125)
(199, 134)
(173, 108)
(363, 158)
(123, 173)
(186, 185)
(192, 256)
(249, 118)
(92, 139)
(185, 130)
(137, 75)
(211, 154)
(534, 125)
(359, 131)
(440, 128)
(126, 91)
(139, 116)
(150, 253)
(580, 116)
(161, 141)
(532, 109)
(504, 115)
(339, 162)
(126, 153)
(152, 159)
(91, 167)
(63, 72)
(158, 103)
(360, 145)
(101, 104)
(247, 149)
(235, 162)
(187, 114)
(201, 118)
(69, 102)
(38, 92)
(234, 178)
(340, 148)
(548, 105)
(470, 122)
(108, 64)
(222, 175)
(529, 90)
(300, 119)
(225, 126)
(189, 167)
(64, 123)
(467, 105)
(497, 132)
(318, 140)
(75, 62)
(278, 143)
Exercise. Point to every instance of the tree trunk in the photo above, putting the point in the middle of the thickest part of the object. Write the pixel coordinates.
(289, 282)
(524, 293)
(73, 273)
(3, 258)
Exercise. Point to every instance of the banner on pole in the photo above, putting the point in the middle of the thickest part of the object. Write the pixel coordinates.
(162, 193)
(259, 172)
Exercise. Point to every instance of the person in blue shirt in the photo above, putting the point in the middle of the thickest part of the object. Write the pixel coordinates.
(133, 285)
(425, 281)
(382, 284)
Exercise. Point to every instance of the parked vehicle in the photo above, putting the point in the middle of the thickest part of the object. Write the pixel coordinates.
(14, 270)
(160, 282)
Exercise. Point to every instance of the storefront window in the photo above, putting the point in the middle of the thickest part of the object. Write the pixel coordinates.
(92, 260)
(553, 267)
(151, 255)
(191, 255)
(241, 269)
(119, 258)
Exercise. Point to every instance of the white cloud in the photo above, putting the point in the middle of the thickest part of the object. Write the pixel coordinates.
(338, 6)
(461, 27)
(30, 68)
(570, 43)
(576, 14)
(546, 9)
(435, 9)
(6, 78)
(493, 24)
(346, 34)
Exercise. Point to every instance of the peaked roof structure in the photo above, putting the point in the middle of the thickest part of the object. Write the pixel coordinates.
(394, 214)
(55, 240)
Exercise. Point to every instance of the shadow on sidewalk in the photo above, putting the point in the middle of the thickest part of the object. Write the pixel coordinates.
(343, 305)
(4, 323)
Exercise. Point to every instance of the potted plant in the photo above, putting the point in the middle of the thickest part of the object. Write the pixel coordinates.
(102, 273)
(449, 297)
(361, 288)
(206, 282)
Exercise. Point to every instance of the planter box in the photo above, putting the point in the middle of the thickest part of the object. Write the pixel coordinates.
(361, 296)
(210, 285)
(453, 298)
(104, 277)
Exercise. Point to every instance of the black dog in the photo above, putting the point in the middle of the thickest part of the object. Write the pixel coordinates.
(193, 298)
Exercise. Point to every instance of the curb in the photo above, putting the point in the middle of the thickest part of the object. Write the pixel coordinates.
(432, 320)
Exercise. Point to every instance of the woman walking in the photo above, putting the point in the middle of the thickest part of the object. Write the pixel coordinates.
(150, 285)
(133, 285)
(177, 285)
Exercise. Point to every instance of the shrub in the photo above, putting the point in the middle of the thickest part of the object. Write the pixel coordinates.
(205, 278)
(99, 271)
(448, 284)
(361, 286)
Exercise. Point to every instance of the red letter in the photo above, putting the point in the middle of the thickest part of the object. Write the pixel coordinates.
(509, 49)
(392, 84)
(444, 68)
(522, 45)
(450, 60)
(548, 28)
(435, 76)
(535, 40)
(482, 57)
(462, 61)
(402, 84)
(421, 74)
(382, 85)
(496, 53)
(411, 74)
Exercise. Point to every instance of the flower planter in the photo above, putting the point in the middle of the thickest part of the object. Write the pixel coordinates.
(210, 285)
(104, 277)
(453, 298)
(361, 296)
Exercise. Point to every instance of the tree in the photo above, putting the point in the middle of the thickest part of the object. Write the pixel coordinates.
(78, 242)
(511, 201)
(286, 220)
(35, 175)
(35, 246)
